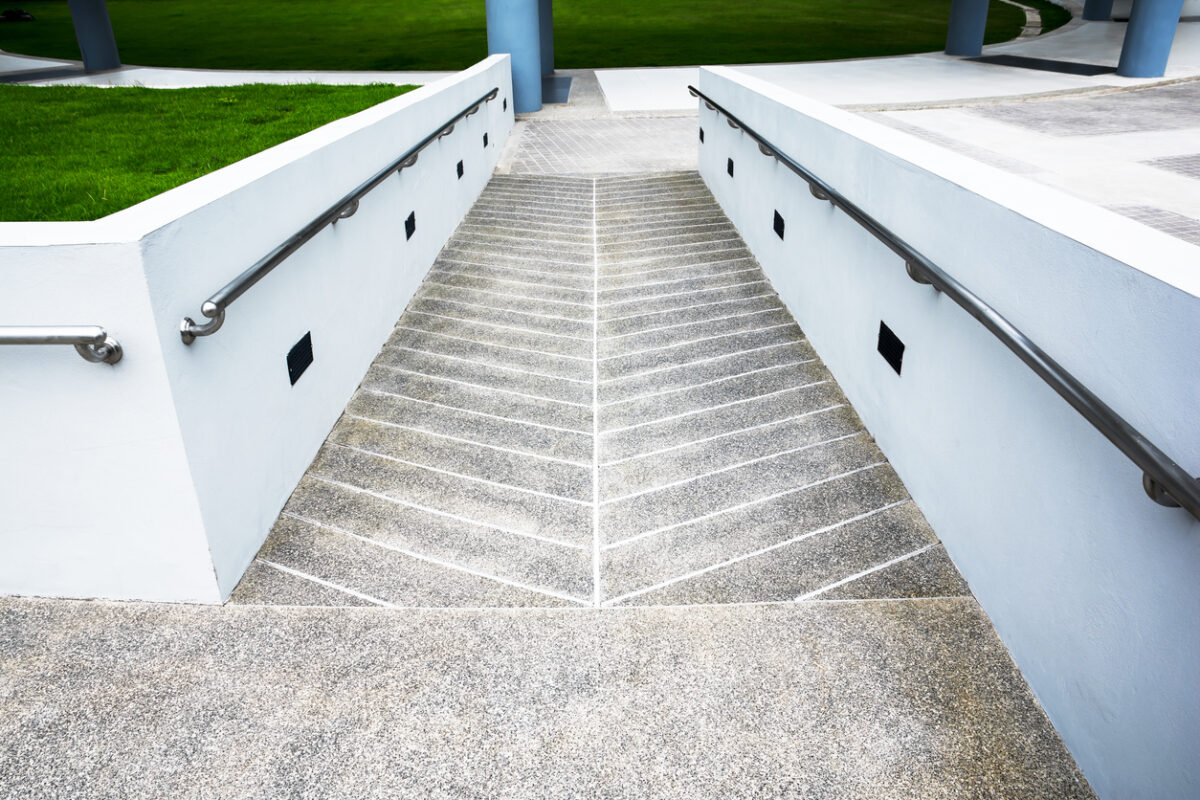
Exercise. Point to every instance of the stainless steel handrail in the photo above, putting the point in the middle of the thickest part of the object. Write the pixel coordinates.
(214, 307)
(90, 341)
(1164, 481)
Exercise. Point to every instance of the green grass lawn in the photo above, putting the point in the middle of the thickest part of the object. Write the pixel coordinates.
(81, 152)
(451, 34)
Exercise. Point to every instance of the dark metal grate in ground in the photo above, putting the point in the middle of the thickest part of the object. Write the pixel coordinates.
(1046, 65)
(556, 88)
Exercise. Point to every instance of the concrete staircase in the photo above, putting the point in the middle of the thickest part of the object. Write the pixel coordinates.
(629, 539)
(596, 398)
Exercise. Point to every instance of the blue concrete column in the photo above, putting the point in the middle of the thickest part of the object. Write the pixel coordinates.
(1098, 9)
(93, 31)
(513, 27)
(546, 24)
(1148, 38)
(968, 21)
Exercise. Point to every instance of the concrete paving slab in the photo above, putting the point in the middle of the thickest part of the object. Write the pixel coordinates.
(911, 700)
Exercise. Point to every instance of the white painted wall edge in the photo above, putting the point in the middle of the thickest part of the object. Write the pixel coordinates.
(1170, 260)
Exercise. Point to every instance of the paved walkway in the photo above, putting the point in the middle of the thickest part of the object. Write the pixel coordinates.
(603, 146)
(822, 701)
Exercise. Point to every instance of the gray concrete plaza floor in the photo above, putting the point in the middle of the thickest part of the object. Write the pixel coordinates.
(879, 701)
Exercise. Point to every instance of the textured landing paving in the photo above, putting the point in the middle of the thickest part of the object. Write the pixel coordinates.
(596, 397)
(630, 145)
(911, 700)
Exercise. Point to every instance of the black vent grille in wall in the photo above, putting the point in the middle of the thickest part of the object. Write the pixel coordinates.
(890, 347)
(299, 357)
(410, 225)
(778, 225)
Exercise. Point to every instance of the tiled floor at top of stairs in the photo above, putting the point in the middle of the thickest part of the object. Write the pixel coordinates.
(597, 398)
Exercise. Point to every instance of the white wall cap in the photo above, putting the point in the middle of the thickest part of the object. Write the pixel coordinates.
(1159, 255)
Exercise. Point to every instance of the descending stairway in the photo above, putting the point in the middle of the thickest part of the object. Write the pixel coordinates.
(594, 399)
(597, 398)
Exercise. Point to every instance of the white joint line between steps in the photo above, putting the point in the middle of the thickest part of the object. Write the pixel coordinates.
(488, 364)
(320, 581)
(435, 561)
(614, 276)
(506, 294)
(501, 309)
(471, 442)
(491, 344)
(492, 279)
(702, 384)
(864, 573)
(462, 475)
(702, 339)
(481, 387)
(513, 328)
(437, 513)
(731, 467)
(704, 360)
(717, 407)
(383, 393)
(742, 506)
(680, 280)
(708, 321)
(725, 435)
(442, 261)
(753, 554)
(692, 307)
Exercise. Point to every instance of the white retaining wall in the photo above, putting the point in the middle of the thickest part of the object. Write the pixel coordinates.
(159, 477)
(1094, 588)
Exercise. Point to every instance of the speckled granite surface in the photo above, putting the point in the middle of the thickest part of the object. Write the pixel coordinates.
(906, 700)
(597, 397)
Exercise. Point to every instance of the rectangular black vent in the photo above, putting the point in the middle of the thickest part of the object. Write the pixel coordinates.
(702, 134)
(890, 347)
(505, 104)
(485, 140)
(778, 225)
(410, 225)
(729, 167)
(459, 169)
(299, 357)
